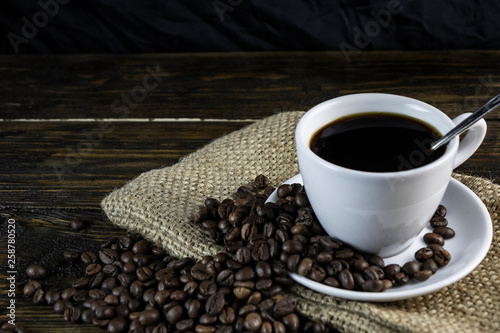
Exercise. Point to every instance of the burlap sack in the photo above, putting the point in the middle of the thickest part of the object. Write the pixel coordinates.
(161, 204)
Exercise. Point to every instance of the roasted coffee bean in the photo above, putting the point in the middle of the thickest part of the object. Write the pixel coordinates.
(94, 293)
(334, 268)
(360, 264)
(261, 182)
(185, 325)
(438, 221)
(61, 305)
(423, 254)
(392, 269)
(442, 257)
(344, 253)
(432, 238)
(141, 259)
(88, 257)
(373, 285)
(293, 262)
(346, 280)
(125, 279)
(430, 265)
(31, 287)
(332, 282)
(39, 297)
(144, 273)
(292, 246)
(401, 279)
(291, 322)
(70, 255)
(215, 304)
(301, 200)
(174, 314)
(305, 266)
(263, 269)
(387, 284)
(96, 280)
(72, 314)
(255, 297)
(373, 273)
(108, 256)
(80, 283)
(149, 317)
(435, 247)
(111, 300)
(35, 271)
(263, 284)
(441, 211)
(284, 306)
(248, 230)
(444, 232)
(80, 296)
(87, 316)
(253, 321)
(242, 292)
(109, 283)
(260, 252)
(110, 270)
(52, 296)
(129, 267)
(284, 190)
(246, 284)
(422, 275)
(225, 278)
(142, 247)
(279, 327)
(117, 325)
(244, 192)
(410, 268)
(245, 274)
(376, 260)
(104, 312)
(93, 269)
(78, 225)
(67, 294)
(330, 243)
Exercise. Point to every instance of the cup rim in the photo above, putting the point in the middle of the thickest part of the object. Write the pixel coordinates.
(451, 147)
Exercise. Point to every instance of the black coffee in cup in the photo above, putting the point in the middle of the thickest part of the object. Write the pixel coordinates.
(376, 142)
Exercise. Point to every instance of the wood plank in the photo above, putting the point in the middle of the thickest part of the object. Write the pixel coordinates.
(56, 164)
(59, 164)
(235, 85)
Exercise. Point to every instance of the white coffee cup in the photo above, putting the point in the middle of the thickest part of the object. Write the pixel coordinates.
(379, 212)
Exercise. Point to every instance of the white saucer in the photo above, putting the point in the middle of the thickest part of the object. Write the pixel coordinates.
(471, 221)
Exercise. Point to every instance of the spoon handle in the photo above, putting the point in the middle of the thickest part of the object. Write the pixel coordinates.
(467, 122)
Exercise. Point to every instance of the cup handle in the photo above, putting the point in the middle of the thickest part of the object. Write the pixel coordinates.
(471, 141)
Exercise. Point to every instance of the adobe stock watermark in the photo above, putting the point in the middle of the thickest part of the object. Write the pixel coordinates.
(30, 27)
(223, 6)
(120, 108)
(364, 35)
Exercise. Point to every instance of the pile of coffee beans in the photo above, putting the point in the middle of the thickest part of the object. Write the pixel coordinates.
(287, 236)
(130, 285)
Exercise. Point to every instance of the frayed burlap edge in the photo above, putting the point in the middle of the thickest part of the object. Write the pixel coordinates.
(161, 204)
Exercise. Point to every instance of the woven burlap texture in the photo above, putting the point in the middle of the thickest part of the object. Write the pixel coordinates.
(161, 204)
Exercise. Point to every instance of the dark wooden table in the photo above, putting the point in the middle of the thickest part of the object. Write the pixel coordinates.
(74, 127)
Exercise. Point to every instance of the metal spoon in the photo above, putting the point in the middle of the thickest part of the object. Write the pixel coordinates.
(467, 122)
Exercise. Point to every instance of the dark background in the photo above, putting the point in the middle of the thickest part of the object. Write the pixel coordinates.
(133, 26)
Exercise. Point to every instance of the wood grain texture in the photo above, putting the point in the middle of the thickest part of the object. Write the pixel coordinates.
(74, 127)
(235, 85)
